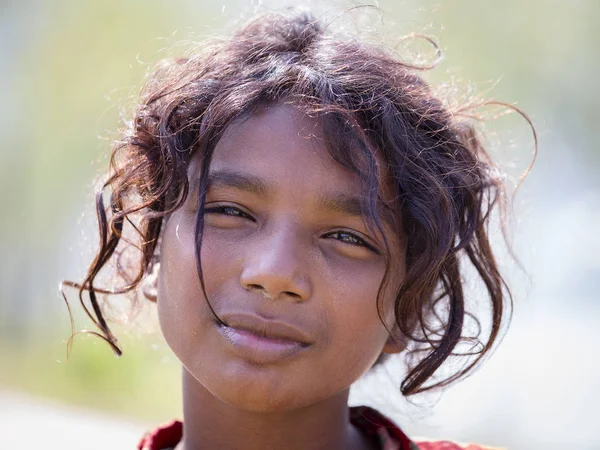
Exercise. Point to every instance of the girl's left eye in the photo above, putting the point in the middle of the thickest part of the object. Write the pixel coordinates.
(351, 239)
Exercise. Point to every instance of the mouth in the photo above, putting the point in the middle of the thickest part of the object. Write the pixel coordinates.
(262, 341)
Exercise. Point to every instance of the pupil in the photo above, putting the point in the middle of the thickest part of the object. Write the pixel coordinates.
(348, 238)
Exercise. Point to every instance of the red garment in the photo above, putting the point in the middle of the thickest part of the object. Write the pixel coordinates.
(366, 419)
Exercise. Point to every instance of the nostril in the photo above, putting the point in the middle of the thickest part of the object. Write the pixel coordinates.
(272, 291)
(258, 287)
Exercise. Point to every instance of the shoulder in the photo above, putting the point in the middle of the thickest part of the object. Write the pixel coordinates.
(391, 436)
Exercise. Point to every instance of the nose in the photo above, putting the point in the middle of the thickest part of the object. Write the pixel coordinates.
(277, 267)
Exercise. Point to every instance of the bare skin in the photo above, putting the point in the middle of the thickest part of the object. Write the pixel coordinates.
(319, 426)
(292, 270)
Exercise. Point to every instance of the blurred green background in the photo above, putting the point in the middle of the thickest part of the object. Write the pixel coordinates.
(69, 69)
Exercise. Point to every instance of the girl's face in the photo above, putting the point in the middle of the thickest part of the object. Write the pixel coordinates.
(289, 264)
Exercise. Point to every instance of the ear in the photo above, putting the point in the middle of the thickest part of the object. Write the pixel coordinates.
(396, 343)
(150, 284)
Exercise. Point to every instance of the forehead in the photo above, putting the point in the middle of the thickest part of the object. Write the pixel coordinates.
(282, 144)
(281, 151)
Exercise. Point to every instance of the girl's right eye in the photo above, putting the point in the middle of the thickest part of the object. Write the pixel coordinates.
(227, 210)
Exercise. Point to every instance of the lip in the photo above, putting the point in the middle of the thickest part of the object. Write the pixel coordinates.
(261, 340)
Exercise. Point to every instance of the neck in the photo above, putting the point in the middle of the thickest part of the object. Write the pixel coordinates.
(211, 423)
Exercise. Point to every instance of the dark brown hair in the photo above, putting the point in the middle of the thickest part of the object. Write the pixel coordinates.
(375, 112)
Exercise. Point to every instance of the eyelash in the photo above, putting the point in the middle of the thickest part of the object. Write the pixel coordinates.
(232, 211)
(358, 241)
(222, 209)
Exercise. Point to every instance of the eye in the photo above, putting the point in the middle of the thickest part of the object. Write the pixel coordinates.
(227, 210)
(349, 238)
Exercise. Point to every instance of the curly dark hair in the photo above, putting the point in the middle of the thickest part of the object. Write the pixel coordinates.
(375, 111)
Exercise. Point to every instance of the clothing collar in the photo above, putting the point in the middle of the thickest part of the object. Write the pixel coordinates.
(368, 420)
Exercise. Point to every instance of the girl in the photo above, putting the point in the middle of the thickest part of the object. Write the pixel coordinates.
(303, 207)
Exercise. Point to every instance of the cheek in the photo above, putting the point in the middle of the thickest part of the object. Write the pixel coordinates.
(179, 278)
(352, 310)
(221, 262)
(182, 307)
(181, 304)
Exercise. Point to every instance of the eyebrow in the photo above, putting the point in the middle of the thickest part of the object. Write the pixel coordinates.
(339, 203)
(242, 182)
(354, 206)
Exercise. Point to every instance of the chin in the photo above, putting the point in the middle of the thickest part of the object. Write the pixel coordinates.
(260, 389)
